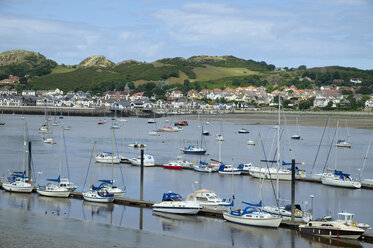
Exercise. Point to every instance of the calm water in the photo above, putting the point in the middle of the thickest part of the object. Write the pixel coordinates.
(234, 150)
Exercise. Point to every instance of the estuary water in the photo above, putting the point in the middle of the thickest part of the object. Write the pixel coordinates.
(78, 147)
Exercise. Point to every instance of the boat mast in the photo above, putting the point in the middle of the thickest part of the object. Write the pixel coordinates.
(260, 169)
(365, 159)
(25, 144)
(278, 148)
(60, 165)
(112, 154)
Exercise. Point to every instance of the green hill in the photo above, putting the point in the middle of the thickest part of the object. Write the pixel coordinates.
(98, 74)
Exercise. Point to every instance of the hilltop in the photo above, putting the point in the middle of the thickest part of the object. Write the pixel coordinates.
(98, 74)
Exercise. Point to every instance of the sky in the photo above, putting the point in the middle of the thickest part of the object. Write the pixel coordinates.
(286, 33)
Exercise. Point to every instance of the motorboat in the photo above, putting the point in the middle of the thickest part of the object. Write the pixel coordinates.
(202, 168)
(153, 133)
(182, 163)
(48, 141)
(122, 120)
(53, 190)
(347, 219)
(173, 165)
(115, 126)
(251, 142)
(219, 137)
(227, 169)
(206, 133)
(174, 203)
(148, 161)
(208, 199)
(169, 129)
(193, 150)
(331, 229)
(252, 216)
(340, 179)
(137, 145)
(44, 129)
(244, 168)
(181, 123)
(295, 137)
(343, 143)
(98, 196)
(285, 213)
(151, 121)
(243, 130)
(107, 158)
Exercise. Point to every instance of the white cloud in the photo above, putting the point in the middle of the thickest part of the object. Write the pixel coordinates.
(68, 42)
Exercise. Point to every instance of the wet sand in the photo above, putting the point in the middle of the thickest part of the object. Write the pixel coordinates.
(26, 229)
(354, 120)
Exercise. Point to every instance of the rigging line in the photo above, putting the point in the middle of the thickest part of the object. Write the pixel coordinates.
(273, 187)
(330, 149)
(318, 149)
(67, 161)
(89, 165)
(120, 167)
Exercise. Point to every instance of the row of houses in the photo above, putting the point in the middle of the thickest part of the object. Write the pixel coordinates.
(236, 98)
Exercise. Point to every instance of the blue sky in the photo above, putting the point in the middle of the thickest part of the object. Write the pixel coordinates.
(283, 33)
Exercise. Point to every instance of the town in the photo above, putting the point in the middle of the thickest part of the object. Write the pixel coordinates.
(327, 97)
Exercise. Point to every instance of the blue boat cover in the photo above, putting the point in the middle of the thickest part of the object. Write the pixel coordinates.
(171, 196)
(55, 180)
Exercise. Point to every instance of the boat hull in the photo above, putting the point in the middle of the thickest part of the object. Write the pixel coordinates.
(262, 222)
(340, 183)
(91, 198)
(19, 189)
(273, 176)
(53, 193)
(331, 233)
(176, 210)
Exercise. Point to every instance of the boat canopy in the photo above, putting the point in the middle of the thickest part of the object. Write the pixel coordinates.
(171, 196)
(341, 174)
(297, 206)
(55, 180)
(252, 204)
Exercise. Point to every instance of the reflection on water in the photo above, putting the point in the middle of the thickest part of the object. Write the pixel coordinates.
(174, 221)
(18, 200)
(56, 206)
(316, 241)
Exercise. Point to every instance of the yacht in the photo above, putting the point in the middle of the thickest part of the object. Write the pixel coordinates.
(53, 190)
(98, 196)
(107, 158)
(174, 203)
(208, 199)
(148, 160)
(331, 229)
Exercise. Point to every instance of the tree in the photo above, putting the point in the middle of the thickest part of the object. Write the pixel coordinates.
(302, 67)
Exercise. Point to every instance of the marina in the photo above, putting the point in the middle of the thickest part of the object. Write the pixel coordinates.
(157, 180)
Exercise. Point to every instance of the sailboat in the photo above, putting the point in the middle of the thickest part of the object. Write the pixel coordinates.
(252, 214)
(284, 212)
(68, 127)
(272, 173)
(18, 181)
(97, 194)
(197, 150)
(337, 177)
(55, 189)
(296, 136)
(342, 142)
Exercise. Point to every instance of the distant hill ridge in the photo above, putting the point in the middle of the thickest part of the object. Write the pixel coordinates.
(97, 73)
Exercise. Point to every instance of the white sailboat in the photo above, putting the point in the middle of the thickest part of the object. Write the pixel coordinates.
(338, 178)
(342, 143)
(19, 181)
(97, 194)
(55, 189)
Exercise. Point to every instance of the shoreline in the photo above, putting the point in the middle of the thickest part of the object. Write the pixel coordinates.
(360, 120)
